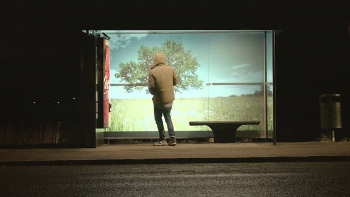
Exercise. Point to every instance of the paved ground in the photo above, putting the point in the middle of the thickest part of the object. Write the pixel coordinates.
(182, 153)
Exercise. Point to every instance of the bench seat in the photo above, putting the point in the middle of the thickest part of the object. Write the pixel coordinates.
(224, 131)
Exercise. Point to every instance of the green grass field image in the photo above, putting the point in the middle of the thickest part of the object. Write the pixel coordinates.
(137, 114)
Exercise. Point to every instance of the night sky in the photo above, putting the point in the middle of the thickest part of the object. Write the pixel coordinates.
(39, 57)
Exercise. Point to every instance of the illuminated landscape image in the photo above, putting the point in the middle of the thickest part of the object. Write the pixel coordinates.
(224, 75)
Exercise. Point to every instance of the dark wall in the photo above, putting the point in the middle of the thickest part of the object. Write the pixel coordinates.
(312, 60)
(46, 71)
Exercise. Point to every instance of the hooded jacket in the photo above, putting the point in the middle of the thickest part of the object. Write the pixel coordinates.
(161, 80)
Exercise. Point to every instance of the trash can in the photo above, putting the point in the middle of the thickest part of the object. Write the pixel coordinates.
(330, 111)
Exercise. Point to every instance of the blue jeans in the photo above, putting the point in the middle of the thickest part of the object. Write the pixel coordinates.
(158, 113)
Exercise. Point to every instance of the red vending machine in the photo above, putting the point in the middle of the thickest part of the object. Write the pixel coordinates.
(103, 106)
(106, 84)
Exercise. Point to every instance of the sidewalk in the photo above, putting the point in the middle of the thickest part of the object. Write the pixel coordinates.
(145, 153)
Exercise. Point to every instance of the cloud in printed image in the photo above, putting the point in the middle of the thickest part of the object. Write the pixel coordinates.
(123, 40)
(113, 79)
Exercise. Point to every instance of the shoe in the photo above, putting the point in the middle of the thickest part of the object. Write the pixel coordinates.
(172, 142)
(161, 143)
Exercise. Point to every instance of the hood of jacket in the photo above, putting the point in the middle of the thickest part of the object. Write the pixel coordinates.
(158, 60)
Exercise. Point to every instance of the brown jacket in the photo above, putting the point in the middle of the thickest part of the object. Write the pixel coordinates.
(161, 80)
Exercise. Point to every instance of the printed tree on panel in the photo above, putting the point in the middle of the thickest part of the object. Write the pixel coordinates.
(182, 60)
(261, 92)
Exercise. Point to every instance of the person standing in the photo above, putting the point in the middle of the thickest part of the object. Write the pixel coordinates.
(161, 81)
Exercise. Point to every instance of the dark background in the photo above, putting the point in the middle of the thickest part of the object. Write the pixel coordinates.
(40, 58)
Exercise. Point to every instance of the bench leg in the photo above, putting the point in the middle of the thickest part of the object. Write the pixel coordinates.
(224, 134)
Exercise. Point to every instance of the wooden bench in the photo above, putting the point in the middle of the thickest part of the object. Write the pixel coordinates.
(224, 131)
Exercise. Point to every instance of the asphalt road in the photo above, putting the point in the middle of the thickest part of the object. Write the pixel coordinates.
(229, 179)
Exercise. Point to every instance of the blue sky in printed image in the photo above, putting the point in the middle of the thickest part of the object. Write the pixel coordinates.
(224, 57)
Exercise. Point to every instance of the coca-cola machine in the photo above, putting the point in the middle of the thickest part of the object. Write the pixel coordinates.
(103, 106)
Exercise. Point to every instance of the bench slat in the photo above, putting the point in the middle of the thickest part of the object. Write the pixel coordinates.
(224, 123)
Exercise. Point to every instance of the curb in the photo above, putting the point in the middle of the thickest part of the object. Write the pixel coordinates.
(178, 161)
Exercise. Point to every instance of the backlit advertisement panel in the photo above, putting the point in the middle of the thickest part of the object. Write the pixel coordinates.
(224, 75)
